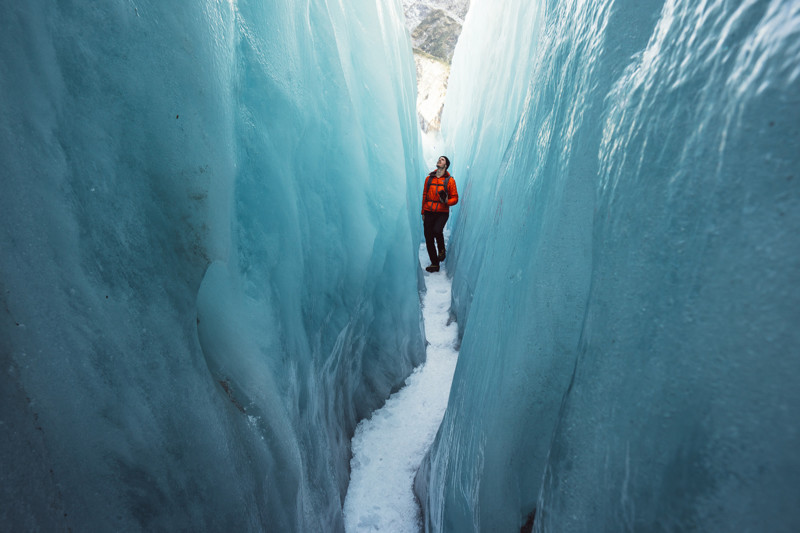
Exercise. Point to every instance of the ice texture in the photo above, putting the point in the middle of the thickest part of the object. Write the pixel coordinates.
(208, 271)
(626, 270)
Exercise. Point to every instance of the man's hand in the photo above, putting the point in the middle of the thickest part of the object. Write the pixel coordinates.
(443, 196)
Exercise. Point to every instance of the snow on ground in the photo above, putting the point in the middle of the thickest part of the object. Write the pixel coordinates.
(388, 447)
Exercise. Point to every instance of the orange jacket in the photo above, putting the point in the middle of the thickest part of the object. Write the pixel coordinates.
(430, 193)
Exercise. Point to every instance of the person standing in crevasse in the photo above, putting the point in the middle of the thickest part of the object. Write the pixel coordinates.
(438, 195)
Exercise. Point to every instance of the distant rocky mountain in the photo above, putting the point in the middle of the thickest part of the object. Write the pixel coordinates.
(435, 26)
(437, 35)
(418, 10)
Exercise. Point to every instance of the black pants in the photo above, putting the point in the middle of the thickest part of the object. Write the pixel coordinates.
(434, 231)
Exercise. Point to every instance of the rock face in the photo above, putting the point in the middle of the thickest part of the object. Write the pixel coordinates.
(418, 10)
(437, 35)
(435, 26)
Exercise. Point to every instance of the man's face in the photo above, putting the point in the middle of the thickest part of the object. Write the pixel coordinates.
(441, 163)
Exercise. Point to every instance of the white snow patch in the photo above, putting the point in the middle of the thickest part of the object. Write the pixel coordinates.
(388, 448)
(432, 75)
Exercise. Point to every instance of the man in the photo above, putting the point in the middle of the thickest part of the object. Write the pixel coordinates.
(438, 195)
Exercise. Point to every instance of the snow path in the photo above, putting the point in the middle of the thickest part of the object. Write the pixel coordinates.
(389, 447)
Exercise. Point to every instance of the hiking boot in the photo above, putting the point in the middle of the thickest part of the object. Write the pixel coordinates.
(432, 268)
(442, 255)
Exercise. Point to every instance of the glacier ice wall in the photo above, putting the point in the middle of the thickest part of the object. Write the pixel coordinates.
(626, 270)
(207, 271)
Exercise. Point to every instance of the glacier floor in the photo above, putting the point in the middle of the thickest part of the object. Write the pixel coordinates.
(389, 446)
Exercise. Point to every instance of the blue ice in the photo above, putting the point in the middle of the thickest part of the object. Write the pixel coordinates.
(208, 263)
(208, 271)
(626, 269)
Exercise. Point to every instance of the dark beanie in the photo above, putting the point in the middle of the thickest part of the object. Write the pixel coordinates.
(448, 162)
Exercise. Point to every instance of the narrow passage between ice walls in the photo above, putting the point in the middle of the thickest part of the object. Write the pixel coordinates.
(389, 446)
(209, 274)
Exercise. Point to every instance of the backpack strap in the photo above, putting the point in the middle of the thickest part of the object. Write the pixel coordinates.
(427, 186)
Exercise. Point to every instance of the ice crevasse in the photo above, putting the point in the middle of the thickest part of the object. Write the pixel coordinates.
(208, 271)
(208, 274)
